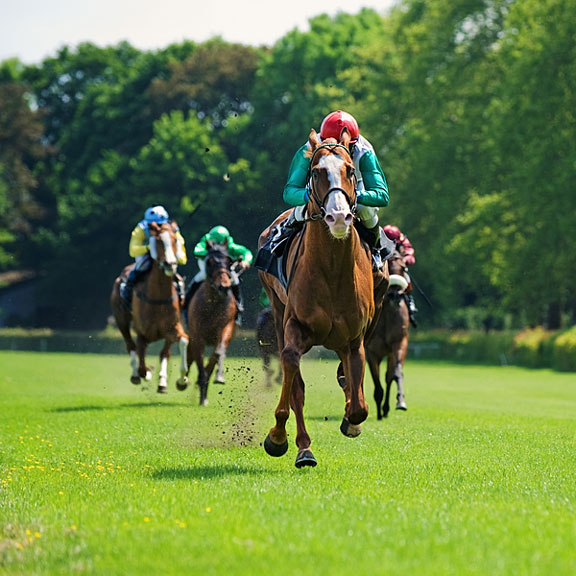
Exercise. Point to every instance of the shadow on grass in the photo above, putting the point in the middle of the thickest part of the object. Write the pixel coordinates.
(94, 408)
(208, 472)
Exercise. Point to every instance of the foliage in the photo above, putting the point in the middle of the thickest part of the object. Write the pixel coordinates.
(564, 356)
(473, 126)
(533, 348)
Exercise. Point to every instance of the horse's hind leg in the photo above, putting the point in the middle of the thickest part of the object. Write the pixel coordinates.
(353, 364)
(374, 365)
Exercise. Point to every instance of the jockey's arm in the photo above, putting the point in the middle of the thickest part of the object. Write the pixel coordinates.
(375, 191)
(239, 252)
(200, 249)
(138, 245)
(295, 190)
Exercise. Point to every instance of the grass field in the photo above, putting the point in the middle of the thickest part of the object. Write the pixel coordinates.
(98, 476)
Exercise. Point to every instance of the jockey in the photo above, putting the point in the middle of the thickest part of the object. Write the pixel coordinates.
(220, 235)
(405, 249)
(371, 187)
(140, 250)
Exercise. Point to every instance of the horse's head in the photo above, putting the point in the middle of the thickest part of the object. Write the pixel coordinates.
(332, 183)
(218, 264)
(163, 246)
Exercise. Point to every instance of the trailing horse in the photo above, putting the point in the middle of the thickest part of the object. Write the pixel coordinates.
(268, 344)
(329, 299)
(155, 312)
(389, 340)
(211, 318)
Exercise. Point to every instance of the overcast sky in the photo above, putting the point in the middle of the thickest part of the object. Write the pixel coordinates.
(32, 30)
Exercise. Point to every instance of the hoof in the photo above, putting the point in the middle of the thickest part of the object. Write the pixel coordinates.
(275, 450)
(135, 379)
(162, 390)
(305, 458)
(204, 402)
(182, 384)
(219, 381)
(401, 406)
(148, 376)
(350, 430)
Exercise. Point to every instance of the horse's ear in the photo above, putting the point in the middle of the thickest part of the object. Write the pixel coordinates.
(209, 244)
(345, 137)
(313, 139)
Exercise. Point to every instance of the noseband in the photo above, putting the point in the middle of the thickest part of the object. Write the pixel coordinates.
(314, 195)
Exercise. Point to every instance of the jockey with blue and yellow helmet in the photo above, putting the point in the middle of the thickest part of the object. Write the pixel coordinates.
(139, 249)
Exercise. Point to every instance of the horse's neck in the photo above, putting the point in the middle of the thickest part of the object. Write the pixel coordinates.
(158, 282)
(328, 253)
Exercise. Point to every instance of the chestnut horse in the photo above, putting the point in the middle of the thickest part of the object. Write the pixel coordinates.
(211, 318)
(155, 313)
(390, 339)
(329, 300)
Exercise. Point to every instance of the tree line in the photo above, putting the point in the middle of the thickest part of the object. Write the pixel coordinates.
(470, 105)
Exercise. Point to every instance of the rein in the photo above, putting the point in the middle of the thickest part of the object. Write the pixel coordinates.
(153, 301)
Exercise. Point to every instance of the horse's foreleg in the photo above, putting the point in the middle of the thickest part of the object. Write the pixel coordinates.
(182, 382)
(135, 378)
(276, 443)
(163, 373)
(143, 370)
(399, 375)
(305, 456)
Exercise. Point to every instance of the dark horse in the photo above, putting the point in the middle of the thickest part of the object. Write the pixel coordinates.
(155, 313)
(390, 339)
(268, 344)
(211, 318)
(329, 300)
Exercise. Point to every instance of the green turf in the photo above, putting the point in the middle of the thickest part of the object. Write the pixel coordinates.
(98, 476)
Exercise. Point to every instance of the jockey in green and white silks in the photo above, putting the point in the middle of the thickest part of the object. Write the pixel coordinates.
(238, 252)
(371, 187)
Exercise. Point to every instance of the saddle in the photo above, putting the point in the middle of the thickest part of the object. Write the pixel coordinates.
(271, 256)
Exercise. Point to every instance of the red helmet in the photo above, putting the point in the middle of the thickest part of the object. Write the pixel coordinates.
(333, 124)
(393, 232)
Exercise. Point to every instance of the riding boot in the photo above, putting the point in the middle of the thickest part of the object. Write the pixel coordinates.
(239, 303)
(381, 247)
(411, 309)
(127, 288)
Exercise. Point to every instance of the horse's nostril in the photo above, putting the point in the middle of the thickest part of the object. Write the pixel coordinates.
(330, 219)
(348, 219)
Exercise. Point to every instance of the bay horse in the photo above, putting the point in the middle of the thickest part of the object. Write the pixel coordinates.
(211, 318)
(389, 339)
(155, 313)
(329, 299)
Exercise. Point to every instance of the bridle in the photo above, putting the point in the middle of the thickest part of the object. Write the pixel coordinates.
(313, 194)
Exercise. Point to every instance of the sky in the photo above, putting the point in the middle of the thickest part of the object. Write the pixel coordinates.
(32, 30)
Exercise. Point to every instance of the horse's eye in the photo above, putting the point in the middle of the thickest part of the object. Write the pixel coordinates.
(315, 174)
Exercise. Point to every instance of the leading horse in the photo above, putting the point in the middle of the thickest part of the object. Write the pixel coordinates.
(389, 340)
(155, 313)
(329, 300)
(211, 318)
